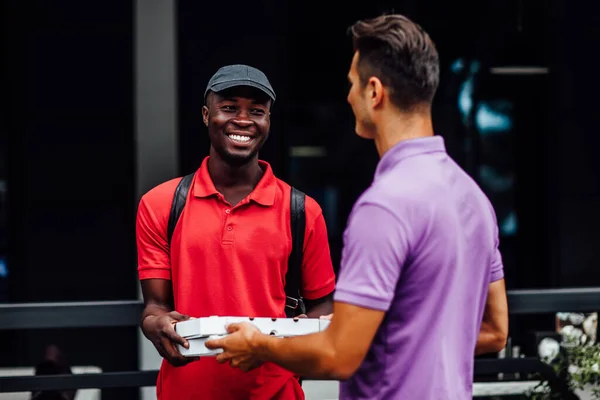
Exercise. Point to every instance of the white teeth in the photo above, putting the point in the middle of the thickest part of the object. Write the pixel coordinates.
(239, 138)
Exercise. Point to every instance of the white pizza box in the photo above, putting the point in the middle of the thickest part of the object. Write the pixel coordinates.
(199, 330)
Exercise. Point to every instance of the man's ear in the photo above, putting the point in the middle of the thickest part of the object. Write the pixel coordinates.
(205, 115)
(375, 91)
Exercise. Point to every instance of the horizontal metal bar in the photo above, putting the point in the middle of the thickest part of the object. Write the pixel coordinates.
(553, 300)
(527, 365)
(148, 378)
(128, 312)
(308, 151)
(70, 315)
(519, 70)
(104, 380)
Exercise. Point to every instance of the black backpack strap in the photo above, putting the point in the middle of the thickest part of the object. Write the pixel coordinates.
(294, 304)
(179, 199)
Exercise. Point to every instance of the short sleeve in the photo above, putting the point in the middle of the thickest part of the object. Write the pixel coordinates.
(497, 267)
(152, 247)
(318, 278)
(376, 245)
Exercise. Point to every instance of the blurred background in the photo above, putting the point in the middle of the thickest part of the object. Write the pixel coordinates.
(102, 101)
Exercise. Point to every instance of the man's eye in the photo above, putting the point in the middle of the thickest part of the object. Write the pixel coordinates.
(258, 111)
(228, 108)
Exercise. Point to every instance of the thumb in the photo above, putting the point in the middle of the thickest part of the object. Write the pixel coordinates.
(213, 344)
(178, 317)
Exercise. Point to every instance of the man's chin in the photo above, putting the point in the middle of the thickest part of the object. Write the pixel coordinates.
(363, 132)
(237, 155)
(239, 158)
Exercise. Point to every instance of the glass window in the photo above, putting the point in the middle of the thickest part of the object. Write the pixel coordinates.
(3, 219)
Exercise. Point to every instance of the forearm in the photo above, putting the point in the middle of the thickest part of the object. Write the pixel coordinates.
(311, 356)
(490, 340)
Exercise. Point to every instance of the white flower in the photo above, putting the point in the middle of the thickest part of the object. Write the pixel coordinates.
(563, 316)
(567, 330)
(571, 332)
(576, 318)
(589, 325)
(573, 369)
(595, 367)
(571, 336)
(548, 349)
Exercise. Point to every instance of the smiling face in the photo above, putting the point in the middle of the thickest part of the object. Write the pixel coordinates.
(238, 121)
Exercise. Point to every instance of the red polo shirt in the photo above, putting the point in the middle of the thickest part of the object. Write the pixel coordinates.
(229, 261)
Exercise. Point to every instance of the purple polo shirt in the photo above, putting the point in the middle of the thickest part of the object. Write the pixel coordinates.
(421, 244)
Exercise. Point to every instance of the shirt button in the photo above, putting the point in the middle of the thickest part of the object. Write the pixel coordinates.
(227, 211)
(229, 228)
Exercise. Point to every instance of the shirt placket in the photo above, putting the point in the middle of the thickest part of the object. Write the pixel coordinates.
(229, 226)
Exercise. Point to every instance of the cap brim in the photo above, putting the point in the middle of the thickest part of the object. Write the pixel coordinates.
(227, 85)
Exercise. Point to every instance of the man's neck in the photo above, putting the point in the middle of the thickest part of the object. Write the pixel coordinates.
(226, 175)
(396, 127)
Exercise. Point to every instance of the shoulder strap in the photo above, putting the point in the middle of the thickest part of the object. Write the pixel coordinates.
(179, 199)
(294, 304)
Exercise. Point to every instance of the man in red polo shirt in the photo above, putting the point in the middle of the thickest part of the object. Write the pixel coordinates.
(229, 251)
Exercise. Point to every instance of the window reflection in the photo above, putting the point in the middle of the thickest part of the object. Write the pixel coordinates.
(492, 120)
(3, 220)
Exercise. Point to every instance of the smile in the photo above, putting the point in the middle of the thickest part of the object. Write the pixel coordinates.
(240, 138)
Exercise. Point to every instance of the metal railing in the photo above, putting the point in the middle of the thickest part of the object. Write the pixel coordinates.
(108, 380)
(127, 313)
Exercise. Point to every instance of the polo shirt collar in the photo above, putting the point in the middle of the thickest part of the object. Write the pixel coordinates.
(409, 148)
(263, 193)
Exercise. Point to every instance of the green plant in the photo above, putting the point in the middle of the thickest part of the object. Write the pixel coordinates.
(578, 365)
(584, 367)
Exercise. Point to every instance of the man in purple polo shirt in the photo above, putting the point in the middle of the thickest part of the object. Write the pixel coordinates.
(421, 288)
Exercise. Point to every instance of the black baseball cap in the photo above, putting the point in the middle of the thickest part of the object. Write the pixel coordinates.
(239, 75)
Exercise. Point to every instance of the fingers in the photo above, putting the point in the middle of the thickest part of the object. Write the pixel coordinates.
(178, 317)
(236, 362)
(165, 339)
(328, 317)
(297, 317)
(169, 352)
(169, 332)
(161, 350)
(243, 363)
(223, 357)
(233, 327)
(177, 359)
(170, 340)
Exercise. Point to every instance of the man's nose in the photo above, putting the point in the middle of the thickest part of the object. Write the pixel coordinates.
(242, 121)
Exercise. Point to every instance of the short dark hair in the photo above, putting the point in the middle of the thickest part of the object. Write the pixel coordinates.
(401, 54)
